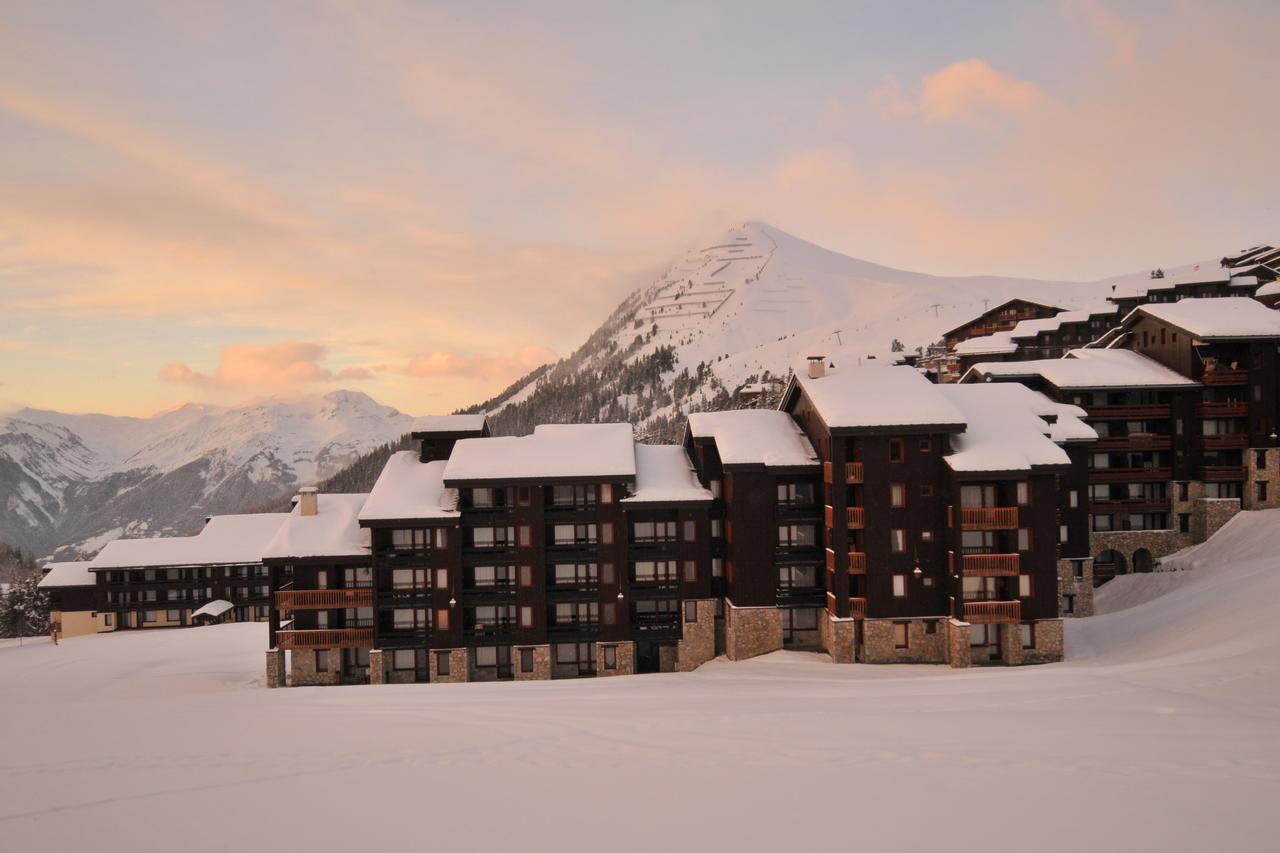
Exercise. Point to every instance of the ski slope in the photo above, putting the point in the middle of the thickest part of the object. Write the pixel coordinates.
(1160, 732)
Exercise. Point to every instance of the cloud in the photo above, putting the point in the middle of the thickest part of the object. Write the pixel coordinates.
(280, 365)
(966, 90)
(443, 363)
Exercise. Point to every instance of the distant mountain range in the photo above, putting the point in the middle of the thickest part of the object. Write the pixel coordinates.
(742, 307)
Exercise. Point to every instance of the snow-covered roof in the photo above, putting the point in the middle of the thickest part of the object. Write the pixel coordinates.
(596, 451)
(1271, 288)
(1215, 319)
(69, 573)
(1206, 272)
(998, 342)
(1005, 430)
(1031, 328)
(334, 531)
(226, 540)
(664, 474)
(755, 437)
(408, 488)
(214, 608)
(448, 423)
(1090, 368)
(1070, 425)
(874, 397)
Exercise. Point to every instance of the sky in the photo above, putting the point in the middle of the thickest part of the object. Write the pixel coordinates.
(423, 201)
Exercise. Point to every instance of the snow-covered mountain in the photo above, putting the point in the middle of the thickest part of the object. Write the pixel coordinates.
(743, 306)
(84, 479)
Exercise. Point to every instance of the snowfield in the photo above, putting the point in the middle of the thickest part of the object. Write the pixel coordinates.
(1162, 731)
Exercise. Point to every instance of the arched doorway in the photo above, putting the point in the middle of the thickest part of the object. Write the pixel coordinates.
(1107, 565)
(1143, 561)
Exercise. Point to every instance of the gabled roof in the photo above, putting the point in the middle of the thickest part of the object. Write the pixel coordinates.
(334, 531)
(1216, 319)
(754, 437)
(995, 310)
(64, 574)
(664, 475)
(553, 451)
(1085, 369)
(999, 342)
(1006, 430)
(448, 425)
(409, 489)
(226, 540)
(879, 398)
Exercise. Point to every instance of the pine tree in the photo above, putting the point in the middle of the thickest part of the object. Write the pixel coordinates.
(24, 611)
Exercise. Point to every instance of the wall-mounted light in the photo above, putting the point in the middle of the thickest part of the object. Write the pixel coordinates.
(453, 601)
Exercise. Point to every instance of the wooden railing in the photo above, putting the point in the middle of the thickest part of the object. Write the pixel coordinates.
(856, 517)
(1151, 410)
(1130, 475)
(1140, 441)
(853, 472)
(1223, 473)
(857, 563)
(991, 565)
(989, 518)
(323, 599)
(1225, 439)
(325, 638)
(1225, 377)
(1230, 409)
(992, 612)
(826, 472)
(858, 608)
(831, 560)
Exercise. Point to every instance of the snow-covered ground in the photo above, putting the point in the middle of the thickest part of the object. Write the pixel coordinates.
(1162, 732)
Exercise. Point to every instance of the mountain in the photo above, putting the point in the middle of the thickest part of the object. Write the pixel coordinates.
(743, 307)
(81, 480)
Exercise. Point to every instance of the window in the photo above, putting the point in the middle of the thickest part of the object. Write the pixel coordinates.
(797, 577)
(107, 619)
(148, 616)
(490, 577)
(609, 614)
(1028, 635)
(322, 660)
(795, 494)
(896, 450)
(897, 495)
(581, 497)
(690, 531)
(577, 613)
(606, 574)
(926, 445)
(526, 617)
(926, 535)
(361, 578)
(1260, 459)
(797, 535)
(654, 571)
(173, 615)
(441, 537)
(1261, 487)
(575, 574)
(526, 660)
(1024, 586)
(402, 659)
(408, 579)
(442, 663)
(898, 540)
(606, 533)
(1077, 569)
(408, 619)
(1073, 498)
(899, 586)
(606, 493)
(691, 611)
(716, 526)
(717, 567)
(1024, 539)
(524, 496)
(409, 539)
(610, 657)
(493, 537)
(714, 485)
(643, 532)
(1023, 490)
(690, 571)
(901, 635)
(1183, 491)
(1063, 533)
(442, 620)
(1068, 604)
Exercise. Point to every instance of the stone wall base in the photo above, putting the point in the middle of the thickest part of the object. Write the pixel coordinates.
(956, 643)
(378, 663)
(697, 643)
(275, 668)
(1268, 472)
(923, 646)
(459, 663)
(625, 658)
(303, 672)
(1080, 589)
(751, 631)
(541, 663)
(837, 637)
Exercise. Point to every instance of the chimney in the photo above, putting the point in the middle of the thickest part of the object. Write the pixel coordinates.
(817, 366)
(307, 500)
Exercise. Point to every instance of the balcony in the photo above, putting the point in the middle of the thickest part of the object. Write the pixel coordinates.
(853, 472)
(1225, 377)
(857, 562)
(856, 517)
(858, 608)
(1223, 473)
(323, 599)
(583, 627)
(989, 518)
(325, 638)
(991, 565)
(1116, 413)
(1130, 475)
(1137, 441)
(1225, 440)
(993, 612)
(1231, 409)
(657, 623)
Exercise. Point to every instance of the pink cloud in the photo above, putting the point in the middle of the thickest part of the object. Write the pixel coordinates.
(283, 364)
(443, 363)
(963, 90)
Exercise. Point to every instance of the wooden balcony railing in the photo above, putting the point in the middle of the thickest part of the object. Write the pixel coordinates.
(856, 517)
(1130, 475)
(858, 608)
(857, 563)
(1230, 409)
(853, 472)
(325, 638)
(992, 612)
(323, 599)
(1140, 441)
(991, 565)
(1152, 410)
(1225, 377)
(1225, 440)
(989, 518)
(826, 472)
(831, 560)
(1223, 473)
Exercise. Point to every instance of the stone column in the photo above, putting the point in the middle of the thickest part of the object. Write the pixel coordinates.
(275, 668)
(458, 666)
(837, 637)
(1011, 644)
(957, 639)
(377, 667)
(698, 638)
(624, 658)
(541, 663)
(751, 631)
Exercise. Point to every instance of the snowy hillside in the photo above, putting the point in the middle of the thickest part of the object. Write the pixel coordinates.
(1157, 733)
(84, 479)
(743, 305)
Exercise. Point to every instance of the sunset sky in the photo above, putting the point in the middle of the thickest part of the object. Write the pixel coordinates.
(224, 201)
